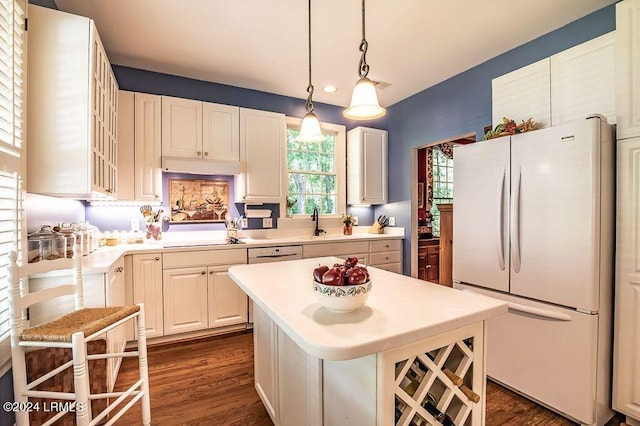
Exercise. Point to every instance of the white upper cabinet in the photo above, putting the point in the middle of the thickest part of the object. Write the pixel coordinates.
(366, 166)
(262, 150)
(181, 127)
(523, 94)
(72, 108)
(200, 130)
(583, 81)
(220, 132)
(139, 147)
(567, 86)
(628, 68)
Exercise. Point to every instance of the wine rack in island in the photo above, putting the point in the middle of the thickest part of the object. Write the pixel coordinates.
(438, 381)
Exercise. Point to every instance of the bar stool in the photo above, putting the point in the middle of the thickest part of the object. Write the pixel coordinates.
(71, 331)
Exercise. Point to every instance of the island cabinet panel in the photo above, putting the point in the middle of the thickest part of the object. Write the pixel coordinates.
(147, 289)
(185, 299)
(265, 362)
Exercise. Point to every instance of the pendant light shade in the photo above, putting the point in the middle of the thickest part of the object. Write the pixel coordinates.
(364, 100)
(310, 128)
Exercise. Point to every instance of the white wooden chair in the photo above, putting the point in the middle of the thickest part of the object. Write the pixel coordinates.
(71, 331)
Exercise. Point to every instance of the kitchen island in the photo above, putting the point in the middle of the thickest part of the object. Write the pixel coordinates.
(414, 350)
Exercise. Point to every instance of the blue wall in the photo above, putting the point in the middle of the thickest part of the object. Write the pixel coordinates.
(462, 105)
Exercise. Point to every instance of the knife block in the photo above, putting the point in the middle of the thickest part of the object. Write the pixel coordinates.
(376, 228)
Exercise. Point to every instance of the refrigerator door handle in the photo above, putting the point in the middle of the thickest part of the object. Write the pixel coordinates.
(500, 211)
(544, 313)
(515, 222)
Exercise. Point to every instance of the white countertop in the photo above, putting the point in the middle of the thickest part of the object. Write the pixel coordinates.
(101, 260)
(400, 309)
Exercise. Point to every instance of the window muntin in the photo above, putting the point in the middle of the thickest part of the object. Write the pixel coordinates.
(442, 172)
(315, 171)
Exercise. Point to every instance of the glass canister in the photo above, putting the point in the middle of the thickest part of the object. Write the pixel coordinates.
(69, 238)
(46, 244)
(82, 237)
(93, 232)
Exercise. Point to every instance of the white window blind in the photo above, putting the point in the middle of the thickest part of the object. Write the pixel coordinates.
(12, 96)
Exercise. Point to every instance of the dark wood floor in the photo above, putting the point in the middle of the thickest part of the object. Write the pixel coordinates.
(210, 382)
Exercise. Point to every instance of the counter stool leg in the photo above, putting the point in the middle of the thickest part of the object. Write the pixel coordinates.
(81, 379)
(20, 383)
(144, 369)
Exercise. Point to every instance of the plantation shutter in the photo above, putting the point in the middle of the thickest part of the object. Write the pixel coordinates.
(12, 132)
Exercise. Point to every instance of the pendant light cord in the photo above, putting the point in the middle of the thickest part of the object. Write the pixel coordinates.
(363, 67)
(309, 105)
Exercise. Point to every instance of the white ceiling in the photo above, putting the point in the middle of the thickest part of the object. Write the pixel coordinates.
(262, 45)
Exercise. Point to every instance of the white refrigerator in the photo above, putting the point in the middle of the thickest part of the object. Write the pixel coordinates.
(533, 224)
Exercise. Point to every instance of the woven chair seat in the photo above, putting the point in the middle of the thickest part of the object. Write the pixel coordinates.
(87, 321)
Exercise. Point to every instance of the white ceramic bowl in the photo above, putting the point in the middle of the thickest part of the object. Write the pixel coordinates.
(342, 298)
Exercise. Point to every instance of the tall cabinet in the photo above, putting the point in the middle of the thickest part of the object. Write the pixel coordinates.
(626, 353)
(139, 147)
(72, 108)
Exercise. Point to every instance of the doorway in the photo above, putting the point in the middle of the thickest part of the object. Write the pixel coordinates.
(422, 204)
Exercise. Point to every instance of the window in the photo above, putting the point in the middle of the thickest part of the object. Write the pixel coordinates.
(315, 171)
(442, 171)
(12, 75)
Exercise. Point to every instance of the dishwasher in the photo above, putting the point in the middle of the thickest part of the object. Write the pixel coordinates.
(268, 255)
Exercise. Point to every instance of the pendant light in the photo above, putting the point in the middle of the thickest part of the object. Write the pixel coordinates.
(310, 127)
(364, 100)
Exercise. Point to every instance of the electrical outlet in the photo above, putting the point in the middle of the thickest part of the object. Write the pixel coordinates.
(267, 222)
(355, 220)
(244, 223)
(392, 221)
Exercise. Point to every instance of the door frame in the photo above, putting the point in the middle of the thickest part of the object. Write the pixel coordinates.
(414, 195)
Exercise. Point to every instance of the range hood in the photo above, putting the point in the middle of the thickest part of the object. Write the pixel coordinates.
(200, 166)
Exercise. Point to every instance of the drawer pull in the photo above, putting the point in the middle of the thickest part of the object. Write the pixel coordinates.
(119, 269)
(157, 258)
(199, 153)
(211, 272)
(203, 273)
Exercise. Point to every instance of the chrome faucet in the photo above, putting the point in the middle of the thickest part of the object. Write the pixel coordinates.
(316, 219)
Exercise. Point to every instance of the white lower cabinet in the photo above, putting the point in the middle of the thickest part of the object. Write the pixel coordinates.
(198, 293)
(147, 289)
(184, 299)
(116, 338)
(227, 303)
(383, 254)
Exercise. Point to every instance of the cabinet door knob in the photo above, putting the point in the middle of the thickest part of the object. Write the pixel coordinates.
(199, 153)
(203, 273)
(157, 258)
(427, 267)
(206, 153)
(119, 269)
(156, 196)
(211, 271)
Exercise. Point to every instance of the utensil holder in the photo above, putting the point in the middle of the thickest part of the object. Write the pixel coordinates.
(376, 228)
(154, 231)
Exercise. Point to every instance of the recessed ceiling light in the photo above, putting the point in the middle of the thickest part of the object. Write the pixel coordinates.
(329, 89)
